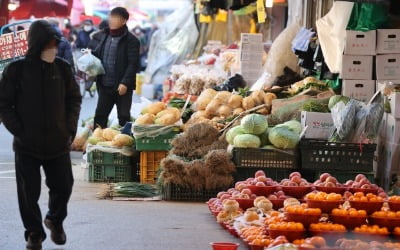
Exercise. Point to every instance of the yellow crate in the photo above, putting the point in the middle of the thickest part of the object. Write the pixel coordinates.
(149, 165)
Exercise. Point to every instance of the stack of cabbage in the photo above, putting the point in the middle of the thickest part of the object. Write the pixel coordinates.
(213, 106)
(158, 113)
(110, 138)
(253, 132)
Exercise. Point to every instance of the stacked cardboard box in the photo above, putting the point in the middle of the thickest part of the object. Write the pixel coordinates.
(357, 67)
(251, 54)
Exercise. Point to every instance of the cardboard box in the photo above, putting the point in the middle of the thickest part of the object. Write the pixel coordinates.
(392, 129)
(388, 41)
(250, 38)
(357, 67)
(361, 90)
(253, 47)
(395, 104)
(388, 67)
(360, 43)
(320, 125)
(388, 162)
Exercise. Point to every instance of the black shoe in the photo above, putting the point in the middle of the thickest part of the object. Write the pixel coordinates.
(34, 242)
(58, 235)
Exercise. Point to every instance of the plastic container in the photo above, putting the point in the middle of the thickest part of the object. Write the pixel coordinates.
(98, 157)
(390, 223)
(265, 158)
(394, 206)
(364, 190)
(330, 236)
(324, 155)
(262, 191)
(110, 173)
(297, 192)
(245, 203)
(328, 190)
(277, 203)
(150, 164)
(306, 220)
(325, 206)
(348, 221)
(289, 234)
(157, 143)
(368, 206)
(173, 192)
(224, 246)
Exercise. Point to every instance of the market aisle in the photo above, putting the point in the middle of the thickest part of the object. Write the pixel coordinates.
(102, 225)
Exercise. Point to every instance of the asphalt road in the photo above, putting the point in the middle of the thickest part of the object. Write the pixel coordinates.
(95, 224)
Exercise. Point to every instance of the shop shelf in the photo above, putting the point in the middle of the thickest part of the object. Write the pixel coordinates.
(150, 164)
(323, 155)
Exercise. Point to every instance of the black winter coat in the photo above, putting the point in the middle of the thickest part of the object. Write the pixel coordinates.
(127, 59)
(40, 102)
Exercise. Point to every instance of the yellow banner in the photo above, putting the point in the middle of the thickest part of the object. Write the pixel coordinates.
(205, 19)
(222, 16)
(261, 11)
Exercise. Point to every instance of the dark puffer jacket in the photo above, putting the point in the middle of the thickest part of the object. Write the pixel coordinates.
(39, 101)
(126, 60)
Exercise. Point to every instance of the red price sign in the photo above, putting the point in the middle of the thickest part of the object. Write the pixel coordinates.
(13, 44)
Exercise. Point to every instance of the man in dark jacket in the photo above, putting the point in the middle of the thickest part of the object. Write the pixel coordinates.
(83, 38)
(40, 104)
(119, 53)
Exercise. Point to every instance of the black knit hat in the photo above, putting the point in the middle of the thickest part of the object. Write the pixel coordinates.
(120, 11)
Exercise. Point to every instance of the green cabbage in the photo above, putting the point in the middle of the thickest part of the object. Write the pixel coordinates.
(254, 124)
(283, 138)
(264, 138)
(94, 140)
(247, 141)
(232, 133)
(337, 98)
(294, 125)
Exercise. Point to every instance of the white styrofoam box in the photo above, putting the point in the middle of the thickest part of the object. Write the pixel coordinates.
(361, 90)
(392, 129)
(388, 41)
(357, 67)
(392, 157)
(360, 43)
(251, 38)
(388, 67)
(319, 125)
(395, 104)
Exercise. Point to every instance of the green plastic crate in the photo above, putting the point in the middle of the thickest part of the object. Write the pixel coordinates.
(110, 173)
(265, 158)
(102, 158)
(173, 192)
(157, 143)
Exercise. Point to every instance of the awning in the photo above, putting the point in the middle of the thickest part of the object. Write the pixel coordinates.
(42, 8)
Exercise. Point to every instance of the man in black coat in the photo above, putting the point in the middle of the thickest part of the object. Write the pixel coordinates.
(40, 104)
(119, 53)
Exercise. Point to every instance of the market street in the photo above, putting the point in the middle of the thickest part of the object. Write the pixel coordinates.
(95, 224)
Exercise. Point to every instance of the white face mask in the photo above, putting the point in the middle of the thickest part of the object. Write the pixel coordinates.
(49, 55)
(87, 28)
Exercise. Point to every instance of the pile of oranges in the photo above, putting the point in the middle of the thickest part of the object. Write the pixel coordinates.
(274, 217)
(396, 230)
(327, 227)
(359, 196)
(394, 199)
(289, 226)
(352, 212)
(322, 196)
(372, 230)
(255, 236)
(303, 210)
(387, 214)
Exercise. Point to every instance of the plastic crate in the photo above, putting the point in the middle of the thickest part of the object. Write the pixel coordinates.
(103, 158)
(110, 173)
(277, 174)
(265, 158)
(171, 192)
(323, 155)
(157, 143)
(149, 165)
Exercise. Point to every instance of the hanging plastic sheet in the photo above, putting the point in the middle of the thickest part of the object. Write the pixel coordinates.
(302, 40)
(368, 16)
